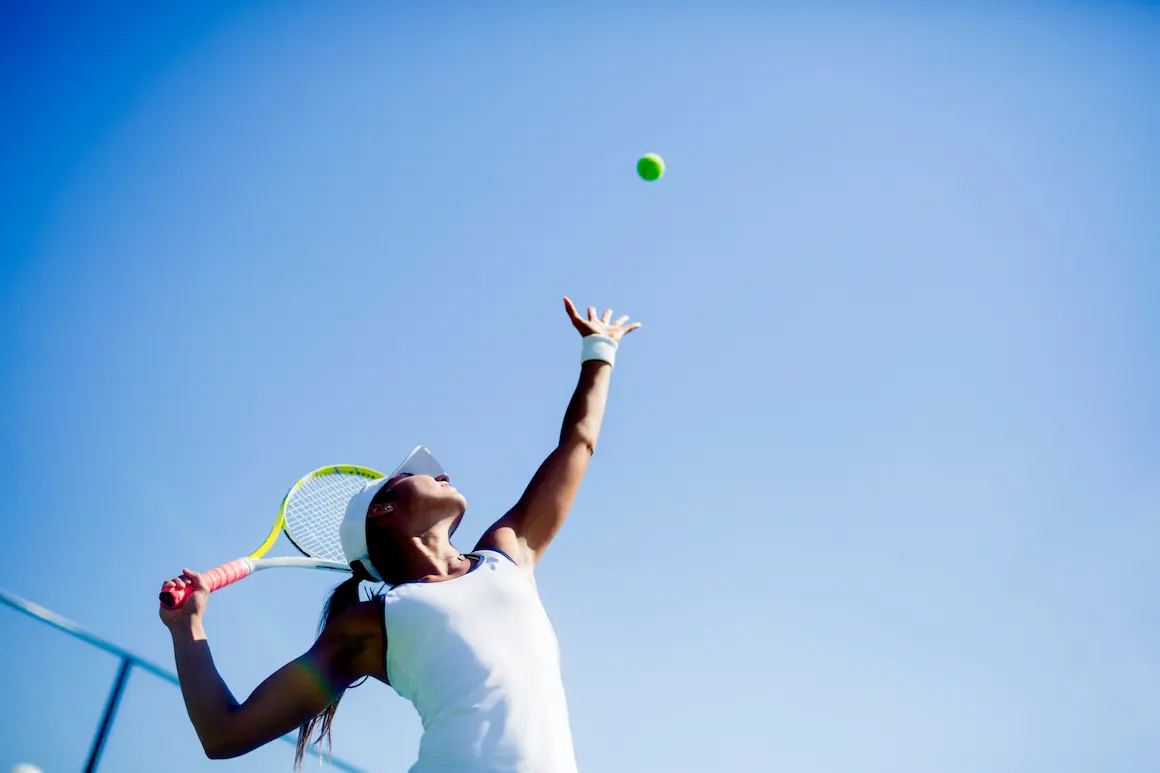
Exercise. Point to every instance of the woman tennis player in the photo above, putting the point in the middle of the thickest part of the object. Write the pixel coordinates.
(464, 637)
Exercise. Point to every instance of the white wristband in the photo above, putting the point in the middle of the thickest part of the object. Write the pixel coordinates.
(598, 347)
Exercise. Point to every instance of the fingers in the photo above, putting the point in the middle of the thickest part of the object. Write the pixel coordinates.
(195, 579)
(571, 309)
(619, 325)
(188, 578)
(598, 322)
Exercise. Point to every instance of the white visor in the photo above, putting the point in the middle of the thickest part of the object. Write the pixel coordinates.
(353, 532)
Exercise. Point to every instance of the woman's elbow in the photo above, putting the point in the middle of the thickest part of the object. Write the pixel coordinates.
(221, 747)
(579, 437)
(216, 751)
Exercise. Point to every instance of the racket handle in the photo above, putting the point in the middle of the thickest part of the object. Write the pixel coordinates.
(226, 574)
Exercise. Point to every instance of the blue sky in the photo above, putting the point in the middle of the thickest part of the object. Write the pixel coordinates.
(878, 486)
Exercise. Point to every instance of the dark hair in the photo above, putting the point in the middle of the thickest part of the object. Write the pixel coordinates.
(387, 557)
(342, 598)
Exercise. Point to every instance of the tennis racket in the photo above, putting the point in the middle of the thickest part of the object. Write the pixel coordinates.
(310, 514)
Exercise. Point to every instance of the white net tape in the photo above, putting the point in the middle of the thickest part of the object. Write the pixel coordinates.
(315, 512)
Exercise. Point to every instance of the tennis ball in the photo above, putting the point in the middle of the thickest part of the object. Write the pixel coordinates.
(24, 767)
(650, 167)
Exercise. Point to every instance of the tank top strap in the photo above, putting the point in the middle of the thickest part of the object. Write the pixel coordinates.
(498, 554)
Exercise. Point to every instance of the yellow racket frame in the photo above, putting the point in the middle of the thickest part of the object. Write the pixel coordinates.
(280, 521)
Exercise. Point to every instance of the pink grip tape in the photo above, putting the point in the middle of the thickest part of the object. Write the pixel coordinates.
(224, 575)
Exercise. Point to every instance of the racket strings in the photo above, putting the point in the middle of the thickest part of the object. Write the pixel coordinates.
(315, 511)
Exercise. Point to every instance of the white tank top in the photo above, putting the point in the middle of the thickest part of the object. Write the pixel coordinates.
(477, 657)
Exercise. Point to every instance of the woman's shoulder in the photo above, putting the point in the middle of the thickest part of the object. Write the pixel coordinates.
(496, 554)
(356, 618)
(354, 639)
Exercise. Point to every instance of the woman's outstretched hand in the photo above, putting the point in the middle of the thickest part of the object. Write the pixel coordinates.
(602, 325)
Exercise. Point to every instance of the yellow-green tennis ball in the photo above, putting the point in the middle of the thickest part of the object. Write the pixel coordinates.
(650, 167)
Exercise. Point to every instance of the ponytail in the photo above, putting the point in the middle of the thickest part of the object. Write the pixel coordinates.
(344, 596)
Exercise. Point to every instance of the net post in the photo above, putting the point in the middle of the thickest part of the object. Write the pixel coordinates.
(110, 712)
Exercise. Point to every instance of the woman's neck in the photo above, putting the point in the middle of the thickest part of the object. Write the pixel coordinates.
(432, 557)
